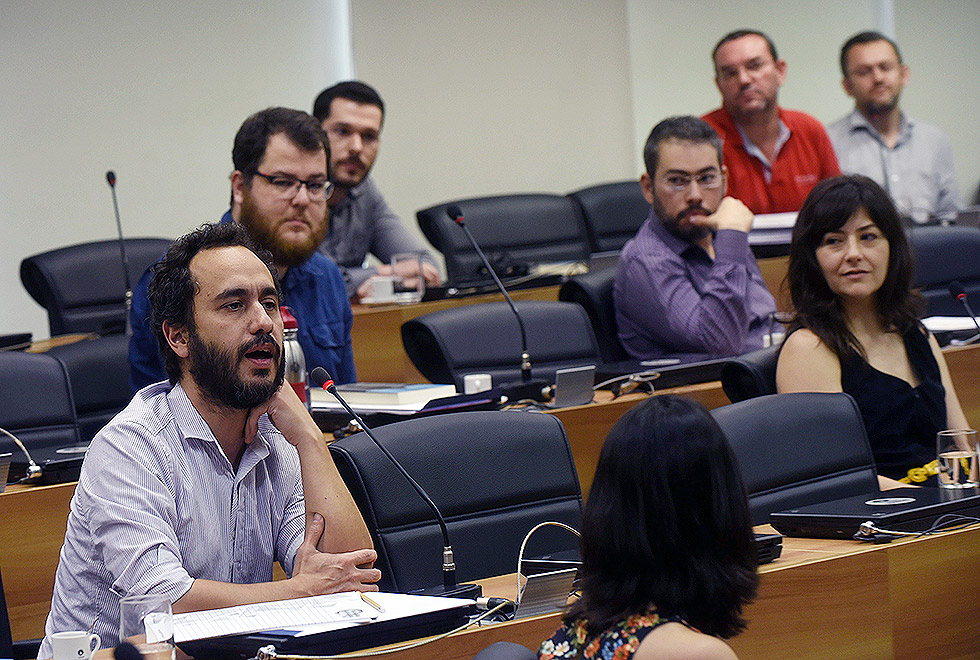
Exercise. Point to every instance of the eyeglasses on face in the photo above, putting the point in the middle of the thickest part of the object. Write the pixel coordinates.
(287, 187)
(680, 182)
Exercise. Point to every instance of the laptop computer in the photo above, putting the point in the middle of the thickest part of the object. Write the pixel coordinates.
(902, 509)
(58, 464)
(768, 547)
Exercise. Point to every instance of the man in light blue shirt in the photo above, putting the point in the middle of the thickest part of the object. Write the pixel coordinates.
(911, 159)
(204, 481)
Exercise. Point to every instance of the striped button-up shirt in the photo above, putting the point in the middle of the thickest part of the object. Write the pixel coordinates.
(158, 504)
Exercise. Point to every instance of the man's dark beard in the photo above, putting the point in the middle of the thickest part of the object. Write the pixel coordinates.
(284, 253)
(216, 373)
(690, 234)
(873, 109)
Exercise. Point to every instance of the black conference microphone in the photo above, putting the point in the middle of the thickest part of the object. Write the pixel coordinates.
(110, 178)
(957, 291)
(126, 651)
(449, 588)
(537, 390)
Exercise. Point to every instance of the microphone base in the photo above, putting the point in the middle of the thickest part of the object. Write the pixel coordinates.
(535, 390)
(470, 591)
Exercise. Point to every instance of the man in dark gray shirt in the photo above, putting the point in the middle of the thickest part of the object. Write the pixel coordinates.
(352, 114)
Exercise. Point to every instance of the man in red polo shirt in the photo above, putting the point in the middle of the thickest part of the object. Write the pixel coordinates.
(774, 156)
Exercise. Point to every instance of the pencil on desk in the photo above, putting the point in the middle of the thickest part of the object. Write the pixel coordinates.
(371, 602)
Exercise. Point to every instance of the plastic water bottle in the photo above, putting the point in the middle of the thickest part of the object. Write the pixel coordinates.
(295, 361)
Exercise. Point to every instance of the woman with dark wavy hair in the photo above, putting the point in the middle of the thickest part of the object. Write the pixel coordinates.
(856, 328)
(668, 559)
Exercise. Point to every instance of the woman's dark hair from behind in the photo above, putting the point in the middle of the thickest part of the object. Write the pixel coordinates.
(827, 208)
(667, 523)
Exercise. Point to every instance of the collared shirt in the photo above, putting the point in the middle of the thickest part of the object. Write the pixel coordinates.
(754, 150)
(672, 300)
(918, 172)
(158, 505)
(360, 223)
(315, 293)
(806, 158)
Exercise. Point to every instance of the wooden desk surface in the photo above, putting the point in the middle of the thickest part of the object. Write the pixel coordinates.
(821, 599)
(34, 517)
(376, 334)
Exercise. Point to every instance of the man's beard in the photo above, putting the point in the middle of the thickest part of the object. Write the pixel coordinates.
(690, 233)
(286, 253)
(216, 372)
(871, 108)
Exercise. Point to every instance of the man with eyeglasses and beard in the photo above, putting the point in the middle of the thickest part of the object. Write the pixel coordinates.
(279, 192)
(687, 285)
(206, 479)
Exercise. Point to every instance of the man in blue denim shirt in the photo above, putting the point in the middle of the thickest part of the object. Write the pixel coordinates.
(279, 192)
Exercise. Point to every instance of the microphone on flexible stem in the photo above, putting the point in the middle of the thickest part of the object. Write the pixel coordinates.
(449, 588)
(957, 291)
(538, 390)
(110, 178)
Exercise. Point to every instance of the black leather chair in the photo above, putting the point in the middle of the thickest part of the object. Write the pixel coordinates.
(494, 476)
(447, 345)
(594, 292)
(613, 212)
(942, 255)
(82, 286)
(98, 371)
(750, 375)
(797, 449)
(506, 651)
(36, 405)
(514, 231)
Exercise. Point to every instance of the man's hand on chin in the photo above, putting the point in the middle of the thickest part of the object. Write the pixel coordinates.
(316, 572)
(288, 414)
(731, 214)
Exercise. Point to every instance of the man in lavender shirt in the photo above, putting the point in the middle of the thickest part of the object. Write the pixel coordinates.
(687, 285)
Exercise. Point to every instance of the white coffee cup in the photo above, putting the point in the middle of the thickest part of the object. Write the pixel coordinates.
(74, 645)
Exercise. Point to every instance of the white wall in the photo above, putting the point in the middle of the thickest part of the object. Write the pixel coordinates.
(483, 97)
(154, 91)
(496, 97)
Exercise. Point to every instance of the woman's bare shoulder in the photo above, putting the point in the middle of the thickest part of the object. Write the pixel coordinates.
(806, 364)
(675, 641)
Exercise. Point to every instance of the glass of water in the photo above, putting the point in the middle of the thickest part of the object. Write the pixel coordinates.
(147, 623)
(956, 450)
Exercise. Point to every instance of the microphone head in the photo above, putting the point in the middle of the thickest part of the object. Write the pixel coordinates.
(126, 651)
(956, 290)
(110, 176)
(455, 213)
(321, 378)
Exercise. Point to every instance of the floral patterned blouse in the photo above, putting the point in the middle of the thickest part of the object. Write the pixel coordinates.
(619, 642)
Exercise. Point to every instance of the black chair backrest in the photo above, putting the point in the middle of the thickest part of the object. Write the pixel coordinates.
(506, 651)
(613, 212)
(942, 255)
(447, 345)
(494, 476)
(750, 375)
(36, 403)
(798, 449)
(514, 231)
(98, 371)
(594, 292)
(82, 286)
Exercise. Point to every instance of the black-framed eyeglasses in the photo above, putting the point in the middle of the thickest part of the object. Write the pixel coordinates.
(681, 182)
(288, 186)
